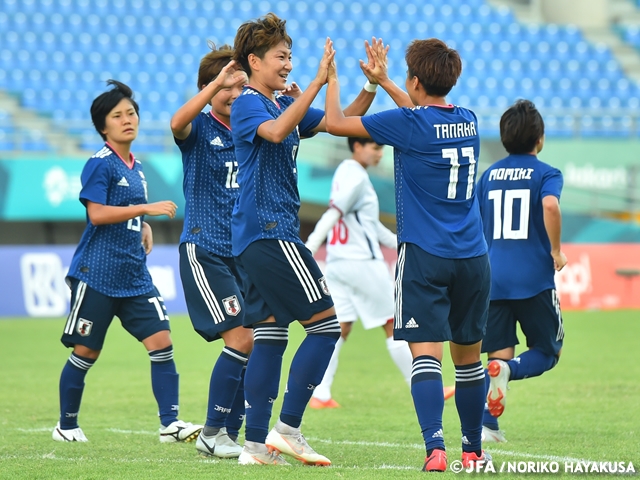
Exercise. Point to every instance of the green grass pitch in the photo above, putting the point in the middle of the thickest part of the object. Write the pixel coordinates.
(587, 408)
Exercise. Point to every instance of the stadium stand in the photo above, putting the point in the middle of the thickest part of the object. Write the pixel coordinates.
(56, 54)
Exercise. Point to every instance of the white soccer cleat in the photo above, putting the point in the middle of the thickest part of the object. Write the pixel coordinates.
(219, 445)
(290, 441)
(499, 372)
(73, 435)
(489, 435)
(179, 431)
(259, 454)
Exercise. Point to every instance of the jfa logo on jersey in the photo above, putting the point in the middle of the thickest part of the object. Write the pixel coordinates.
(84, 327)
(231, 305)
(323, 284)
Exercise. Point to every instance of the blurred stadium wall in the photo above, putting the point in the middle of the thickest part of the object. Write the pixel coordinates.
(578, 60)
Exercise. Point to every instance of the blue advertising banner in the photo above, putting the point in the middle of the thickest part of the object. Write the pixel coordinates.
(32, 281)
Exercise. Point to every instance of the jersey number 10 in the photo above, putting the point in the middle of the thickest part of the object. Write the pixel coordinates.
(503, 213)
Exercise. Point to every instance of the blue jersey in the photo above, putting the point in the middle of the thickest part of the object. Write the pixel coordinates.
(209, 185)
(510, 194)
(268, 204)
(110, 258)
(436, 150)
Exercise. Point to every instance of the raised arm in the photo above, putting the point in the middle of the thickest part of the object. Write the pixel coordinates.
(335, 120)
(228, 77)
(376, 71)
(553, 225)
(277, 130)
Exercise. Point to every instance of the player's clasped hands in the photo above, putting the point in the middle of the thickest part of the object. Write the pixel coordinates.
(165, 207)
(375, 68)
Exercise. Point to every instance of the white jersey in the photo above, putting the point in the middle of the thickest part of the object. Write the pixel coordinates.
(359, 232)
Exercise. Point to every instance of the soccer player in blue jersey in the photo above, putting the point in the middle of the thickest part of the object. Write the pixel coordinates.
(282, 282)
(443, 272)
(108, 274)
(519, 201)
(212, 287)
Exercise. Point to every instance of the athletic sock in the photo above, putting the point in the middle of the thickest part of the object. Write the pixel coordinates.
(428, 399)
(401, 356)
(223, 386)
(236, 416)
(262, 378)
(323, 391)
(308, 367)
(531, 363)
(165, 384)
(470, 400)
(71, 389)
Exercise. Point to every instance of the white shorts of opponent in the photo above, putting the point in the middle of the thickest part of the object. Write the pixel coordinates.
(361, 289)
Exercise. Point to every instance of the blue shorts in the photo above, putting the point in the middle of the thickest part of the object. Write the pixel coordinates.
(92, 313)
(212, 290)
(282, 279)
(540, 318)
(440, 299)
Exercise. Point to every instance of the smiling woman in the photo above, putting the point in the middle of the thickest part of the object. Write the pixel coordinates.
(108, 275)
(282, 282)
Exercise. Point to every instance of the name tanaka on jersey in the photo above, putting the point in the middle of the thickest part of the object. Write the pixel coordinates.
(455, 130)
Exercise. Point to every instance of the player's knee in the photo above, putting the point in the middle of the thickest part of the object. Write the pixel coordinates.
(326, 327)
(270, 333)
(240, 339)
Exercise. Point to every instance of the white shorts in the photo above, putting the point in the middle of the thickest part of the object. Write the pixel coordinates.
(361, 289)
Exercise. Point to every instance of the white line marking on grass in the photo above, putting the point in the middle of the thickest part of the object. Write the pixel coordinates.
(421, 447)
(361, 443)
(131, 432)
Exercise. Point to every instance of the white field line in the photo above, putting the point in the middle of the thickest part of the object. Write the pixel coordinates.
(415, 446)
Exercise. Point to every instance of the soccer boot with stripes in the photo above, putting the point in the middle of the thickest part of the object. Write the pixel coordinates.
(290, 441)
(471, 459)
(489, 435)
(218, 445)
(259, 454)
(179, 431)
(436, 462)
(499, 373)
(72, 435)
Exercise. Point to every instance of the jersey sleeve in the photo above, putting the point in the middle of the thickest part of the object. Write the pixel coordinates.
(188, 143)
(346, 189)
(322, 229)
(247, 114)
(310, 121)
(385, 236)
(552, 183)
(95, 179)
(391, 127)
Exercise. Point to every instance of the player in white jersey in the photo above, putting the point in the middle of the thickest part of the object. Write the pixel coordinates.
(353, 253)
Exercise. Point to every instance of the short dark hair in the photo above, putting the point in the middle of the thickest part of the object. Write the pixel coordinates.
(107, 101)
(435, 64)
(257, 37)
(361, 140)
(521, 127)
(212, 63)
